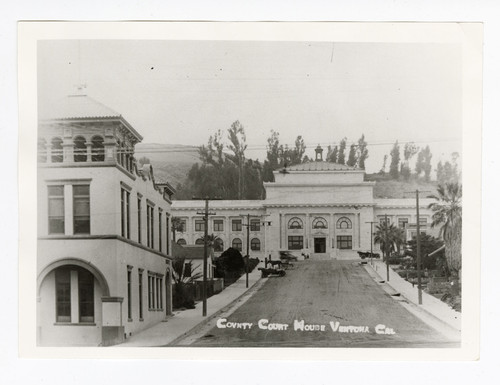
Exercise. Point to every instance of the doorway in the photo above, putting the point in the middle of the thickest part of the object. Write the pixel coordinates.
(320, 245)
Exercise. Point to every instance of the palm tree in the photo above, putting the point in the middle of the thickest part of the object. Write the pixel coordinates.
(448, 213)
(212, 240)
(177, 225)
(390, 238)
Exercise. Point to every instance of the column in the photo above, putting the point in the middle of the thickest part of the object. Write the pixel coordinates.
(74, 296)
(89, 151)
(68, 209)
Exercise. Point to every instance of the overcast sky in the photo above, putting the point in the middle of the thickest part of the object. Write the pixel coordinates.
(180, 92)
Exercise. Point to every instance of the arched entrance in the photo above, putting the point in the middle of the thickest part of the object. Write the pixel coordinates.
(70, 293)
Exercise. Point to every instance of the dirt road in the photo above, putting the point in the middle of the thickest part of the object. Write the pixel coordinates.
(339, 301)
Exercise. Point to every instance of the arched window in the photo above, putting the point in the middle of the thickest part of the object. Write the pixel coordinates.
(42, 150)
(199, 241)
(237, 244)
(97, 149)
(344, 223)
(295, 223)
(255, 244)
(219, 245)
(181, 241)
(57, 150)
(67, 277)
(319, 223)
(79, 149)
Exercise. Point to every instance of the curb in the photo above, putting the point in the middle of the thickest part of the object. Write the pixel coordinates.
(199, 325)
(444, 322)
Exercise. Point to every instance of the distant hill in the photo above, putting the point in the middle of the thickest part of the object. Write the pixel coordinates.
(388, 188)
(171, 162)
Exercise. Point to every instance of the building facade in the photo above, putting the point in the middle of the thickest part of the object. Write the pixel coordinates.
(318, 208)
(104, 248)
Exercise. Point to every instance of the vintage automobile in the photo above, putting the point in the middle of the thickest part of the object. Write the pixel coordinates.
(266, 272)
(367, 254)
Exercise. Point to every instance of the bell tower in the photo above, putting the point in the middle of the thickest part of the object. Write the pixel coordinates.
(319, 154)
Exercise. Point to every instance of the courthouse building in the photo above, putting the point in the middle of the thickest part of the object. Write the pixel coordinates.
(104, 249)
(318, 208)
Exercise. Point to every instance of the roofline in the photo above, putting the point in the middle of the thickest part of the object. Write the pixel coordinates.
(118, 118)
(274, 184)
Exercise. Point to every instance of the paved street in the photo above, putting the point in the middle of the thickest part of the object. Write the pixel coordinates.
(339, 295)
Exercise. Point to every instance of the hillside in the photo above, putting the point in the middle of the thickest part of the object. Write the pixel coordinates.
(171, 162)
(388, 188)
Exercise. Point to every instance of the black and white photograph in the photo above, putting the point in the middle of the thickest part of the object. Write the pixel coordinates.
(267, 191)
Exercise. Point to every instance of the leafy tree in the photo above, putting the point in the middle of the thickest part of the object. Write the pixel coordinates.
(395, 158)
(409, 151)
(448, 214)
(384, 165)
(428, 244)
(332, 154)
(427, 163)
(177, 225)
(299, 150)
(362, 152)
(423, 164)
(237, 138)
(352, 160)
(341, 154)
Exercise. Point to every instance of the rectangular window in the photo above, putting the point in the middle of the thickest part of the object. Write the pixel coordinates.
(236, 224)
(403, 223)
(218, 225)
(125, 213)
(255, 225)
(423, 221)
(157, 293)
(129, 294)
(81, 209)
(382, 220)
(295, 242)
(344, 242)
(167, 235)
(183, 225)
(150, 225)
(56, 209)
(63, 295)
(160, 232)
(139, 229)
(86, 295)
(160, 286)
(150, 292)
(199, 225)
(140, 295)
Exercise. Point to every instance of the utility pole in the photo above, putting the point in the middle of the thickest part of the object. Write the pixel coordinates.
(248, 244)
(386, 249)
(419, 258)
(205, 214)
(371, 241)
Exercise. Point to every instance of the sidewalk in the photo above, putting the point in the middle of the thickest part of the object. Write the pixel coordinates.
(430, 304)
(183, 321)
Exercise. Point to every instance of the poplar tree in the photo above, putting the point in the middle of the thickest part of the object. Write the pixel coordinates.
(341, 154)
(395, 158)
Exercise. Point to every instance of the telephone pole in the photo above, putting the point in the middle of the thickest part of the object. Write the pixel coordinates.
(371, 241)
(205, 214)
(386, 243)
(419, 258)
(247, 258)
